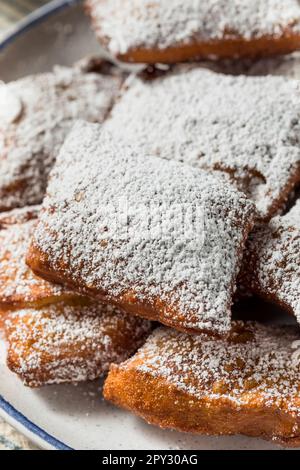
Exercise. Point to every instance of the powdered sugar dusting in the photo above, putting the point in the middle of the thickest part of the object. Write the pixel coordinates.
(188, 276)
(70, 343)
(247, 127)
(39, 112)
(10, 106)
(271, 266)
(18, 216)
(125, 25)
(18, 285)
(254, 365)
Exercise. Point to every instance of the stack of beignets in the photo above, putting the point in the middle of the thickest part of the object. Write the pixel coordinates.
(174, 196)
(55, 335)
(141, 255)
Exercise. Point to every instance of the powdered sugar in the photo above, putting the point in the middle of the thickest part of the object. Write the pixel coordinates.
(18, 285)
(19, 216)
(66, 343)
(271, 266)
(247, 127)
(100, 229)
(40, 110)
(125, 25)
(255, 365)
(11, 106)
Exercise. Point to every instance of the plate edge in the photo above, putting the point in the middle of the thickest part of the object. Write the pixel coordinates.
(37, 16)
(9, 412)
(36, 434)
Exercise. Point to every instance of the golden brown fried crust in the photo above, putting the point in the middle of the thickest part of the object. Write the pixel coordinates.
(171, 383)
(239, 48)
(193, 48)
(3, 316)
(19, 287)
(153, 400)
(70, 342)
(156, 310)
(42, 299)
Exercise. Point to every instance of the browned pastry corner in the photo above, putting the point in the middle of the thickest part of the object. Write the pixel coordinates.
(245, 384)
(247, 128)
(3, 316)
(70, 341)
(180, 30)
(271, 264)
(158, 238)
(37, 112)
(19, 287)
(55, 335)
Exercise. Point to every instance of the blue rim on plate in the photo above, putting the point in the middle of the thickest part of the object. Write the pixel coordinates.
(29, 22)
(30, 426)
(36, 17)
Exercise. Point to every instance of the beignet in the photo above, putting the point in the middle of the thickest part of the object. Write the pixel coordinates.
(159, 238)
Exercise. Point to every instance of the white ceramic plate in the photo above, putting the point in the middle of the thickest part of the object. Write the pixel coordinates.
(68, 416)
